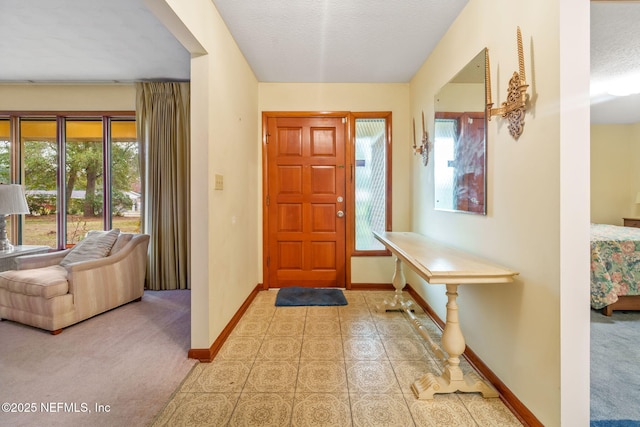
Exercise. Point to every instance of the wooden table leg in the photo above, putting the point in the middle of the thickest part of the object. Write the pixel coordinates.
(452, 378)
(399, 282)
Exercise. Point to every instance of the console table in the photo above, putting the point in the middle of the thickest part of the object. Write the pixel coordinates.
(439, 264)
(8, 258)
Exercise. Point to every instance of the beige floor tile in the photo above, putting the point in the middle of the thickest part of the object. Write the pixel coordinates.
(356, 326)
(381, 315)
(278, 348)
(374, 299)
(163, 418)
(286, 328)
(373, 410)
(397, 327)
(291, 312)
(321, 410)
(322, 376)
(489, 412)
(239, 348)
(363, 348)
(272, 377)
(263, 410)
(221, 376)
(354, 313)
(250, 327)
(330, 312)
(268, 297)
(192, 377)
(360, 308)
(371, 376)
(321, 348)
(323, 327)
(203, 409)
(405, 348)
(325, 366)
(354, 296)
(261, 311)
(443, 410)
(353, 301)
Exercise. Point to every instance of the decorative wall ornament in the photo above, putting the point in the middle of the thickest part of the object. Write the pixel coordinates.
(425, 145)
(514, 108)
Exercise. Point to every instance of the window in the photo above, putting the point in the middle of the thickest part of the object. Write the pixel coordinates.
(5, 163)
(126, 194)
(446, 135)
(372, 180)
(38, 173)
(80, 173)
(84, 177)
(5, 152)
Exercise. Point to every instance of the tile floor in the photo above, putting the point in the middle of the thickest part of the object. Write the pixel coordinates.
(324, 366)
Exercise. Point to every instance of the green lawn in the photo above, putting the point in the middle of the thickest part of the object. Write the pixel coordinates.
(41, 230)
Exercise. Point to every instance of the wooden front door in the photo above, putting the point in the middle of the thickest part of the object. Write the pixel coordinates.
(305, 220)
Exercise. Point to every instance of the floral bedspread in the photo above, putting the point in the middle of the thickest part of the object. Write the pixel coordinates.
(615, 263)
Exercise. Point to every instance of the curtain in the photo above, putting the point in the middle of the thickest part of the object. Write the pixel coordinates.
(163, 117)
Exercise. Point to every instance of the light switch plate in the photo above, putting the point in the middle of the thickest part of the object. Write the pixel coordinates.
(219, 182)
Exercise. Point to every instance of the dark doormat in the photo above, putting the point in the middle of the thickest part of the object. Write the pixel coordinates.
(615, 423)
(297, 296)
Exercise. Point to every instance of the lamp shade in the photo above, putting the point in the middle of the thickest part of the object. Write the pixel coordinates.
(12, 200)
(638, 197)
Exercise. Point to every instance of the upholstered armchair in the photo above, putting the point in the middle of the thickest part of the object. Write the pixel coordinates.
(54, 290)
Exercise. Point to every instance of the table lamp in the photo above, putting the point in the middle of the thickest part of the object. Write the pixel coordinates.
(12, 201)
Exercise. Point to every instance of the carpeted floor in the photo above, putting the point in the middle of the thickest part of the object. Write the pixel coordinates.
(129, 360)
(615, 366)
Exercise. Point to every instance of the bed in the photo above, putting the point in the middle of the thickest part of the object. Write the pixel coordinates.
(615, 268)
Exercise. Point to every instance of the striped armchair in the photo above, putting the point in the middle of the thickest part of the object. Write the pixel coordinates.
(44, 294)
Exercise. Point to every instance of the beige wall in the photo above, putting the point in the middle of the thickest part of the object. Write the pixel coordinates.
(67, 97)
(635, 155)
(538, 202)
(460, 97)
(225, 236)
(224, 126)
(516, 329)
(358, 98)
(615, 172)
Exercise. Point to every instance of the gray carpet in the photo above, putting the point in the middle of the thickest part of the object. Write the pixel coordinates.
(131, 359)
(615, 366)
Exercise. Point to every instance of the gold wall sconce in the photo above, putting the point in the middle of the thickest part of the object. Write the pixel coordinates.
(423, 148)
(514, 108)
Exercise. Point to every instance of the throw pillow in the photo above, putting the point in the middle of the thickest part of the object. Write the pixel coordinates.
(94, 246)
(122, 241)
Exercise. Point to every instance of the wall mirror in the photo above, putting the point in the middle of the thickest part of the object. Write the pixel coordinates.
(459, 147)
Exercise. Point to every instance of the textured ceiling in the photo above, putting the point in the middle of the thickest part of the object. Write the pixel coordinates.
(283, 41)
(86, 41)
(615, 59)
(337, 40)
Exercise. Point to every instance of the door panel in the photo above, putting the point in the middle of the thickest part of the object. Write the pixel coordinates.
(306, 176)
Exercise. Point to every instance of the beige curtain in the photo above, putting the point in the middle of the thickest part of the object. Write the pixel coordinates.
(162, 117)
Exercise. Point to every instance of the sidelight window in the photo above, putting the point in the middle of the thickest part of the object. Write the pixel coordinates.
(372, 178)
